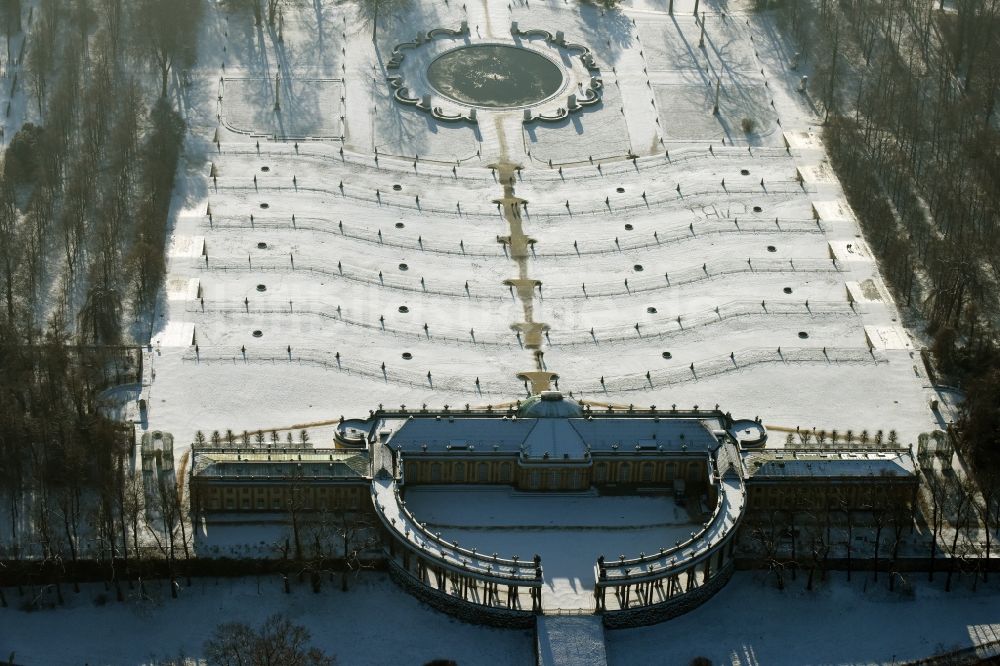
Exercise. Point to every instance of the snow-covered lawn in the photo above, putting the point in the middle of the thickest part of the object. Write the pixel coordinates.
(312, 108)
(373, 623)
(568, 530)
(326, 262)
(750, 623)
(601, 134)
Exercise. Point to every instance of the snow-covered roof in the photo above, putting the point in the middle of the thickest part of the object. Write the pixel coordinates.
(690, 434)
(555, 439)
(280, 464)
(832, 464)
(728, 462)
(441, 434)
(573, 438)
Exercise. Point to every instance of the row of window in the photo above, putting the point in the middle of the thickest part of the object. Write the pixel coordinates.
(459, 472)
(252, 498)
(648, 471)
(802, 495)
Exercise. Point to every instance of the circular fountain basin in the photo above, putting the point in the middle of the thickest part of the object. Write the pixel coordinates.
(495, 76)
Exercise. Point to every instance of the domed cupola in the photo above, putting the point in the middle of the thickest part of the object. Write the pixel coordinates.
(549, 404)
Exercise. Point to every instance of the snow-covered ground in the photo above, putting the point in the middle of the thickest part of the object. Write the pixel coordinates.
(324, 262)
(341, 230)
(353, 255)
(373, 623)
(569, 530)
(749, 623)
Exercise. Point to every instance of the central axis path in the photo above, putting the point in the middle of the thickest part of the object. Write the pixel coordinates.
(524, 287)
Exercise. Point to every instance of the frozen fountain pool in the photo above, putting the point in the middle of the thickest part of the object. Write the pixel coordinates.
(494, 76)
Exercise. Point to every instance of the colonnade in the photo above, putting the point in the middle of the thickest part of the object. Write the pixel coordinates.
(511, 593)
(625, 590)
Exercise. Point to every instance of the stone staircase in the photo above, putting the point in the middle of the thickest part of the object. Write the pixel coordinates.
(570, 640)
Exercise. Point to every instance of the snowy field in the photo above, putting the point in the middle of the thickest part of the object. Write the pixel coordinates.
(569, 530)
(336, 250)
(748, 623)
(374, 623)
(308, 268)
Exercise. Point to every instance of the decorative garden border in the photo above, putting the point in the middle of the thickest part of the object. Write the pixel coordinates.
(592, 92)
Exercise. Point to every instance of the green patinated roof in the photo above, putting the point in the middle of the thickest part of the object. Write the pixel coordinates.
(550, 404)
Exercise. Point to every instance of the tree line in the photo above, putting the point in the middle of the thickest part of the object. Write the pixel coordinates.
(959, 518)
(85, 190)
(909, 89)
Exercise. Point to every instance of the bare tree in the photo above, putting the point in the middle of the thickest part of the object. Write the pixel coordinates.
(372, 10)
(163, 521)
(843, 502)
(819, 547)
(296, 503)
(167, 27)
(938, 493)
(42, 49)
(960, 506)
(898, 521)
(768, 536)
(11, 14)
(880, 516)
(130, 508)
(356, 533)
(272, 10)
(988, 510)
(100, 318)
(253, 5)
(276, 641)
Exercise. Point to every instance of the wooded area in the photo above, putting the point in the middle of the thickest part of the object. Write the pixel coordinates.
(85, 193)
(909, 90)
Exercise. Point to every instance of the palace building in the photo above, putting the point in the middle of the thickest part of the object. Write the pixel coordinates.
(823, 479)
(550, 443)
(262, 480)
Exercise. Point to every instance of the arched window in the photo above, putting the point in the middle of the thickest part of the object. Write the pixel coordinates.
(484, 472)
(458, 474)
(435, 472)
(601, 473)
(647, 472)
(505, 472)
(624, 473)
